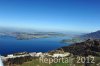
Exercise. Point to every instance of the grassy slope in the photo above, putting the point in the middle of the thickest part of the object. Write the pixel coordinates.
(36, 62)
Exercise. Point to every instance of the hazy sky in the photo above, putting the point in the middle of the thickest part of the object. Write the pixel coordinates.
(51, 15)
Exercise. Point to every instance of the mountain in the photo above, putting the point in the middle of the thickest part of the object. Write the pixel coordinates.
(88, 47)
(93, 35)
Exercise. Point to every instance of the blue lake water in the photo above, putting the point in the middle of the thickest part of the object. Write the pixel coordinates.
(10, 45)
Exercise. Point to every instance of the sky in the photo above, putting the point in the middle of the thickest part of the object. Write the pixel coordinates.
(51, 15)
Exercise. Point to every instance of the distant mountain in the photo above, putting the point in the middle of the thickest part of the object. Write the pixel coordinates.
(93, 35)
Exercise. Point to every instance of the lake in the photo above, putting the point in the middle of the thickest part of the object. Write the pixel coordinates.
(10, 45)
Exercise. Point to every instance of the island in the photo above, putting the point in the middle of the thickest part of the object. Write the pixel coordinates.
(27, 36)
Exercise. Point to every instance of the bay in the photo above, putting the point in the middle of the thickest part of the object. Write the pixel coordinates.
(9, 45)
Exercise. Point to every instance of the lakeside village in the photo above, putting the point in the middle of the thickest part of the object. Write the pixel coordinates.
(42, 57)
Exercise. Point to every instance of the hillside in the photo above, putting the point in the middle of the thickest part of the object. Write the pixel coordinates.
(88, 47)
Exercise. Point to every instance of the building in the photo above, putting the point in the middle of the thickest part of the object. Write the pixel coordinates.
(10, 56)
(32, 54)
(39, 54)
(61, 55)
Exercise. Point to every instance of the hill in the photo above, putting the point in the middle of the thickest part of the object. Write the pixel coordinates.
(88, 47)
